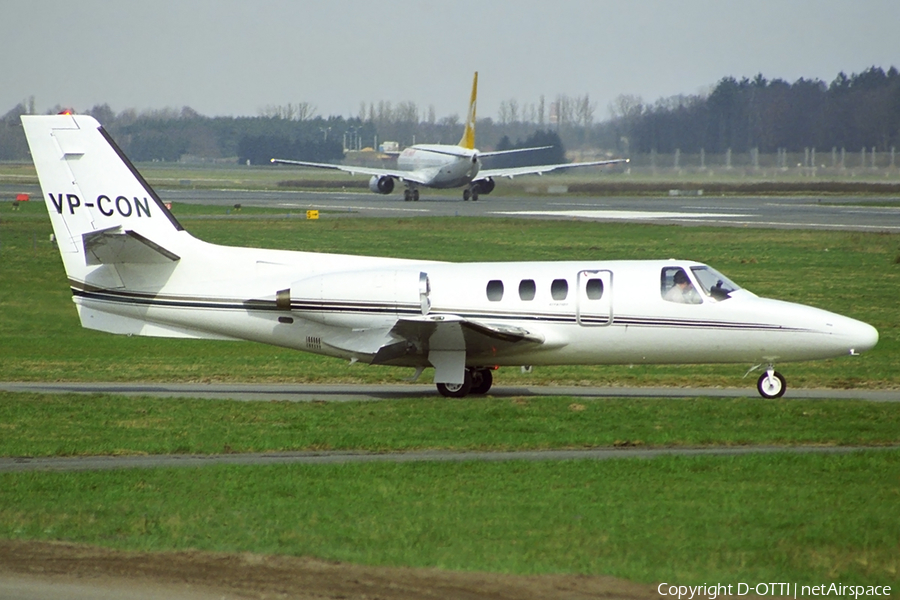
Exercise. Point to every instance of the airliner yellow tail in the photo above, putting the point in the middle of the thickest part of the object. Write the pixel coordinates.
(468, 138)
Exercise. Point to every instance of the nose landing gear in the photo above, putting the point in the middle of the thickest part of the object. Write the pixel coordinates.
(771, 384)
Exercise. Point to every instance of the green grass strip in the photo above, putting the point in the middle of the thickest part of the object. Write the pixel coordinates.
(804, 518)
(67, 425)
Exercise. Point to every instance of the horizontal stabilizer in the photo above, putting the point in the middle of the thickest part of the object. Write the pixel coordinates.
(114, 246)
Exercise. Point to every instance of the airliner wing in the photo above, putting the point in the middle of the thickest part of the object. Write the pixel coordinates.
(413, 176)
(541, 169)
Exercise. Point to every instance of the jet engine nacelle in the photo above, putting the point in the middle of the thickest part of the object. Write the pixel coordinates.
(358, 299)
(381, 185)
(485, 186)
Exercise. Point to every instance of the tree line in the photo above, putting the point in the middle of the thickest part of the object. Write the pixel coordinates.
(853, 112)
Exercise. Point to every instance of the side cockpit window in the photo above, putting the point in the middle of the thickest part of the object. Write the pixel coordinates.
(714, 284)
(676, 286)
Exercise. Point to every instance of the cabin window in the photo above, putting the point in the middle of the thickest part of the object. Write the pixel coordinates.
(713, 283)
(676, 286)
(527, 289)
(594, 289)
(495, 290)
(559, 289)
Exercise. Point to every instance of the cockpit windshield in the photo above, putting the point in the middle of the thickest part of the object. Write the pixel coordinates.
(714, 284)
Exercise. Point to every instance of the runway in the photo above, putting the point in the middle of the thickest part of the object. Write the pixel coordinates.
(288, 392)
(801, 212)
(784, 212)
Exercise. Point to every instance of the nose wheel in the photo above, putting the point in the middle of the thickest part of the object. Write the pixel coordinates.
(771, 384)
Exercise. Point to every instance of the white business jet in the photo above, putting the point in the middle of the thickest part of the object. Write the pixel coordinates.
(134, 270)
(445, 166)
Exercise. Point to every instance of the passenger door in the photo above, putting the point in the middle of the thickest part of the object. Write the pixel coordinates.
(593, 302)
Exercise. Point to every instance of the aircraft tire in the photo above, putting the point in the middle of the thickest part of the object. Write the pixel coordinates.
(456, 390)
(415, 195)
(406, 196)
(771, 387)
(474, 196)
(482, 380)
(466, 195)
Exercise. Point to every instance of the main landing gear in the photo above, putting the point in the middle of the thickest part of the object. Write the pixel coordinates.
(771, 384)
(470, 194)
(410, 195)
(475, 381)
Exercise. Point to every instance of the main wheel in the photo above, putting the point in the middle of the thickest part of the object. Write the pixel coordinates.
(474, 196)
(771, 385)
(466, 195)
(457, 390)
(482, 380)
(415, 195)
(407, 195)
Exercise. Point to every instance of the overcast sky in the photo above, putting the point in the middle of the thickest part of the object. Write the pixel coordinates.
(229, 57)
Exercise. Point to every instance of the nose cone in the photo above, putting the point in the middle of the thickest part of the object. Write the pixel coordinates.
(861, 337)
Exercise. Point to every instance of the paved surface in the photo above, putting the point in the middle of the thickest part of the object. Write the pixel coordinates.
(808, 212)
(357, 392)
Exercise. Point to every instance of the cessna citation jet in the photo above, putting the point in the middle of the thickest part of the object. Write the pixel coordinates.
(444, 166)
(134, 270)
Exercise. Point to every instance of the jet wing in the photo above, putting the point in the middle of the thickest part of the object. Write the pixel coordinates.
(422, 335)
(541, 169)
(413, 176)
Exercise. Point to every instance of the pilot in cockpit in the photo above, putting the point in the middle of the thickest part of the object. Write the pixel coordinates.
(682, 291)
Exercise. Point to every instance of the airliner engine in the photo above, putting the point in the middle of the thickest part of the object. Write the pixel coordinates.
(485, 186)
(381, 185)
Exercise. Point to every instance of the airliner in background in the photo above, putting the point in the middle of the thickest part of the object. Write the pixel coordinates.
(445, 166)
(134, 270)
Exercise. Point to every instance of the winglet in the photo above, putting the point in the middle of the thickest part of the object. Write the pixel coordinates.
(468, 138)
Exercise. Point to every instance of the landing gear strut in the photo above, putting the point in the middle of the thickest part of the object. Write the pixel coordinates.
(475, 381)
(771, 384)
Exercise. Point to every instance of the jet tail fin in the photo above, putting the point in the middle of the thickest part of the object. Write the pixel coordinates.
(102, 210)
(468, 138)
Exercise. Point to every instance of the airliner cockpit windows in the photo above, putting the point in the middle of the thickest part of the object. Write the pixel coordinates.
(559, 289)
(714, 284)
(527, 289)
(677, 287)
(495, 290)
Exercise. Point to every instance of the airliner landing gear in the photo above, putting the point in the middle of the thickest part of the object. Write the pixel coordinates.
(771, 384)
(470, 194)
(476, 381)
(409, 194)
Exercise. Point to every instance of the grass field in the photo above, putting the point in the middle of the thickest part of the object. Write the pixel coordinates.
(780, 517)
(851, 273)
(799, 518)
(637, 181)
